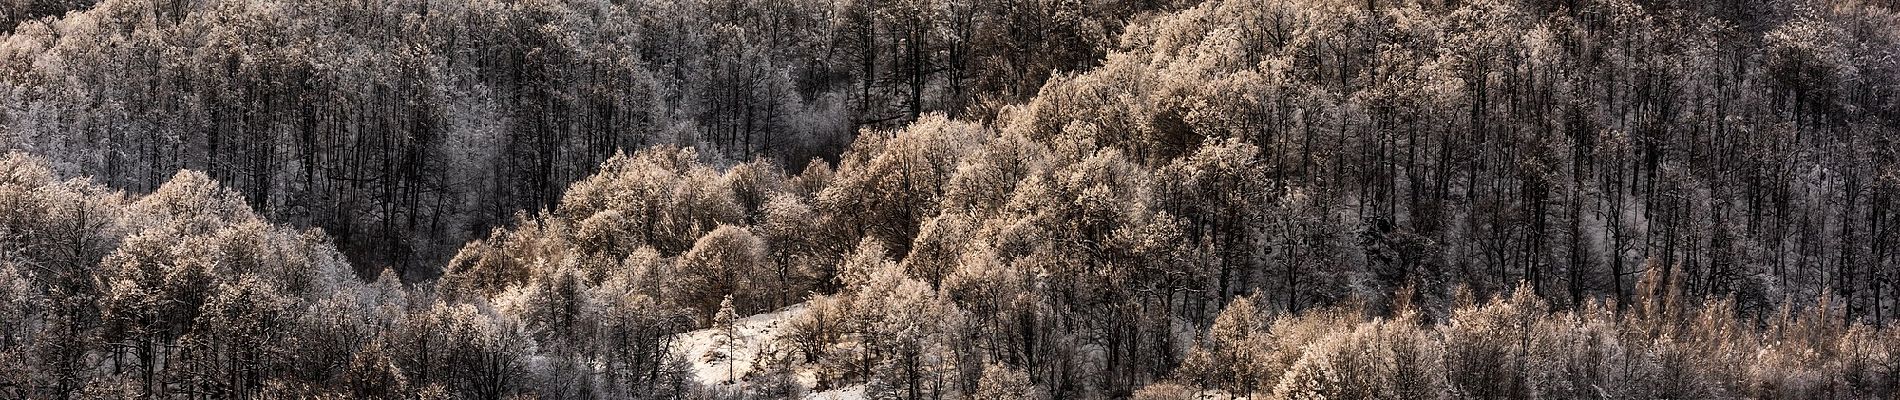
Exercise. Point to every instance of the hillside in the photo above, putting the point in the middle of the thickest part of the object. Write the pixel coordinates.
(406, 128)
(1043, 199)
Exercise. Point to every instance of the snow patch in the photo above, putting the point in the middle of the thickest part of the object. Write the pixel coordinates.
(756, 336)
(853, 392)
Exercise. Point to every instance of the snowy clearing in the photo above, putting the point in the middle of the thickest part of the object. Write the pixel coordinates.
(713, 364)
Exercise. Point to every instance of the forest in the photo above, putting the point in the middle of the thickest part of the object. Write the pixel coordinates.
(949, 199)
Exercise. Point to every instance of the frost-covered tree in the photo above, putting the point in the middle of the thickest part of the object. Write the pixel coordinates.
(728, 263)
(1001, 381)
(726, 337)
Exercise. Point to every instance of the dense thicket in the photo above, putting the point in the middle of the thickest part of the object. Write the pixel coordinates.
(13, 12)
(1235, 199)
(408, 127)
(188, 293)
(1516, 347)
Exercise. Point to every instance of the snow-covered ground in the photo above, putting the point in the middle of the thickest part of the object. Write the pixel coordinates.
(755, 341)
(713, 364)
(854, 392)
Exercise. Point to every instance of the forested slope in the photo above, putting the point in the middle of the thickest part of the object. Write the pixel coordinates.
(405, 128)
(1279, 199)
(12, 13)
(1310, 154)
